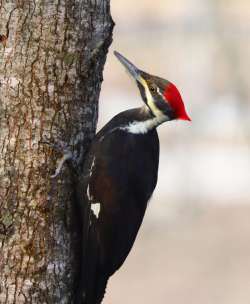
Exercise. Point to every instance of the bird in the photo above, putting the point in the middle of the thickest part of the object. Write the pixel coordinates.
(122, 165)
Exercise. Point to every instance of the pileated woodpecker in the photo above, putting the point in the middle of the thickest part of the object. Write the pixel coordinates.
(123, 167)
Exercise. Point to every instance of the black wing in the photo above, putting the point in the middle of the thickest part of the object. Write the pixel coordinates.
(122, 176)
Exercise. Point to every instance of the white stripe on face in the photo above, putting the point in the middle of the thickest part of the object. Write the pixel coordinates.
(150, 99)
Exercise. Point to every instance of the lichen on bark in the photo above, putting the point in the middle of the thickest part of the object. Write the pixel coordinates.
(50, 78)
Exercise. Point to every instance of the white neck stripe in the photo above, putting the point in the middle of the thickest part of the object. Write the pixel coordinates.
(142, 127)
(150, 99)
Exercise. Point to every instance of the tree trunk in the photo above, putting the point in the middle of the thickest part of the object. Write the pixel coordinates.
(51, 61)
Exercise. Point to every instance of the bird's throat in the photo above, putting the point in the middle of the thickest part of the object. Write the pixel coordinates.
(148, 123)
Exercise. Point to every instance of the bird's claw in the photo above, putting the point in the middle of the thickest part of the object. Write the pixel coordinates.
(66, 156)
(61, 148)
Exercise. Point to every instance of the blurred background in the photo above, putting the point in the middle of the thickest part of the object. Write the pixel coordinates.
(194, 245)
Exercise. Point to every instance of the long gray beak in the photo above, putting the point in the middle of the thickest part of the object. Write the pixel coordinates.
(129, 66)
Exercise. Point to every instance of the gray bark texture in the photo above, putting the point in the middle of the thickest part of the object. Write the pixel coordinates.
(52, 55)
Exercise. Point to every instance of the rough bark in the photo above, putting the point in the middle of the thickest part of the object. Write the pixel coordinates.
(51, 60)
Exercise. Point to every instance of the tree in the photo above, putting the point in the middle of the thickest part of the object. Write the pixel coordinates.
(52, 55)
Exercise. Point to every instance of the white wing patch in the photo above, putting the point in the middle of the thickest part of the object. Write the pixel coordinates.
(96, 208)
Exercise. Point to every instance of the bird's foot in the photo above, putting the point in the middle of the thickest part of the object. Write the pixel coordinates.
(62, 148)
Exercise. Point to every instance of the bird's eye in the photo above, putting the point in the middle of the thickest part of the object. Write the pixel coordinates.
(152, 89)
